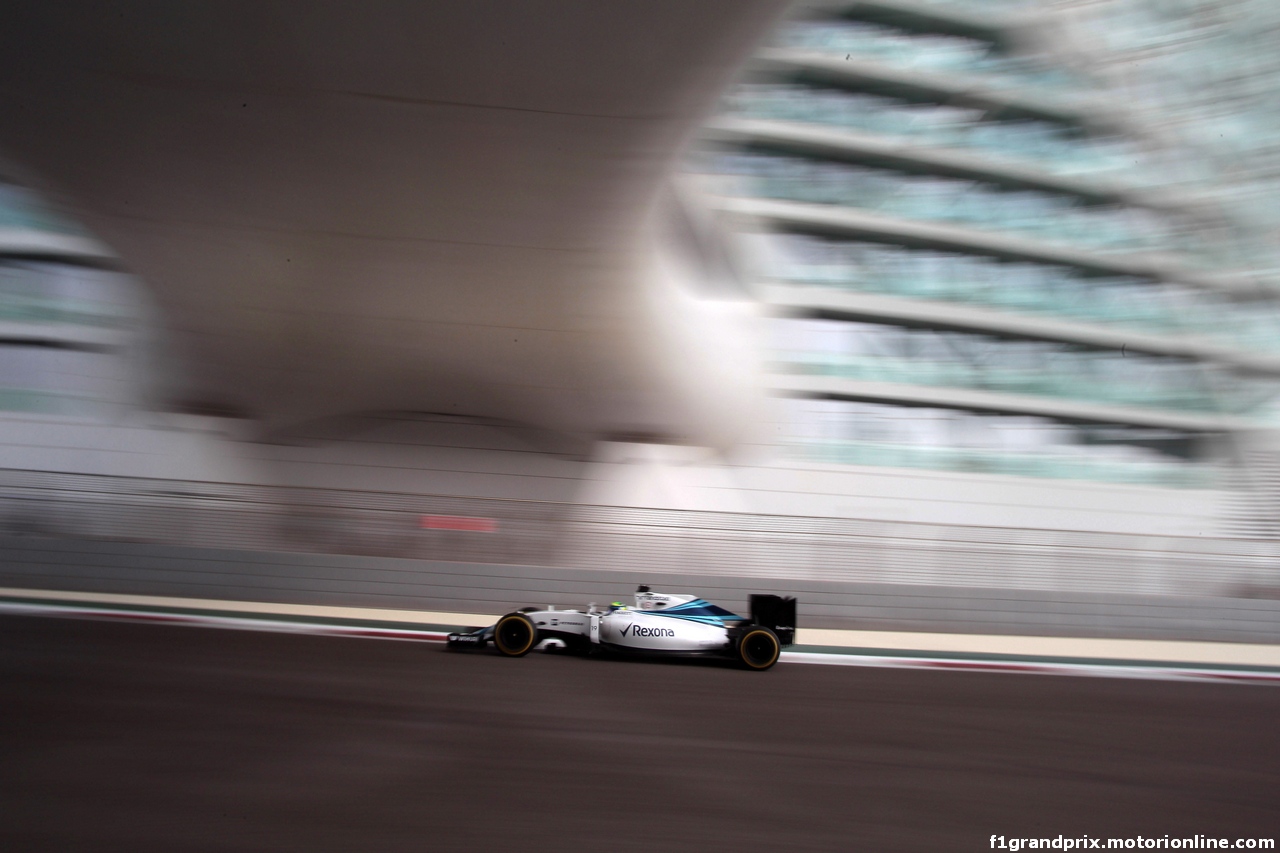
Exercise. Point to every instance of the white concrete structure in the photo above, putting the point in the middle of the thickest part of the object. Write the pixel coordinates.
(447, 207)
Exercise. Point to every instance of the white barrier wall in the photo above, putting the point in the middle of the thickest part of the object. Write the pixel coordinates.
(436, 455)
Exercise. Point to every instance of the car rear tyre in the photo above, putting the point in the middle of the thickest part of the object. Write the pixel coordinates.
(758, 648)
(515, 635)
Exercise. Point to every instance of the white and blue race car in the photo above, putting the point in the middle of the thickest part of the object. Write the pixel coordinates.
(659, 624)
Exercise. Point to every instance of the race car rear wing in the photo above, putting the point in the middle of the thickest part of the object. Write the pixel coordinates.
(776, 612)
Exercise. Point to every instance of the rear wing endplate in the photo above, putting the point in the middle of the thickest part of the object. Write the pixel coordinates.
(777, 613)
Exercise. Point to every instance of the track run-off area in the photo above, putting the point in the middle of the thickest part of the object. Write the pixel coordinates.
(1042, 655)
(122, 734)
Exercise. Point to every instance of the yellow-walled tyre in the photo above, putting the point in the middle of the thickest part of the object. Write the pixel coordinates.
(515, 635)
(758, 648)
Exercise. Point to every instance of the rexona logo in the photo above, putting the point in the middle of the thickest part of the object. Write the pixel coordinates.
(642, 631)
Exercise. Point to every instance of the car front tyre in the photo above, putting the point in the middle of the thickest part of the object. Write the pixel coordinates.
(515, 635)
(758, 648)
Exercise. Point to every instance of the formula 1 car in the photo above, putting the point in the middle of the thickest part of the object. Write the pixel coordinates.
(659, 624)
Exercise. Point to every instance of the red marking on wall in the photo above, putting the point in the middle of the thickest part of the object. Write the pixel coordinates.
(460, 522)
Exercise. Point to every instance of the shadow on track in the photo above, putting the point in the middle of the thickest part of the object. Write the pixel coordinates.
(121, 736)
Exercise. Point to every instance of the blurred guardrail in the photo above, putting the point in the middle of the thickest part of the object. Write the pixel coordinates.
(618, 539)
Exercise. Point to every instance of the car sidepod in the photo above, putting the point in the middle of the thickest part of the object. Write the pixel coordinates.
(661, 633)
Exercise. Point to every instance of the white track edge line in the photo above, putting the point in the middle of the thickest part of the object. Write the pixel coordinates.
(1033, 667)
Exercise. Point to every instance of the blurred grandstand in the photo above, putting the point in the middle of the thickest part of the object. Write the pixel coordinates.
(1017, 238)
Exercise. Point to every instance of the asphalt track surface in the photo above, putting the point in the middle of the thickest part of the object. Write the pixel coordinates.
(147, 737)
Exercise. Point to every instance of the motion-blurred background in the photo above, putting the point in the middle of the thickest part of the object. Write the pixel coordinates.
(951, 315)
